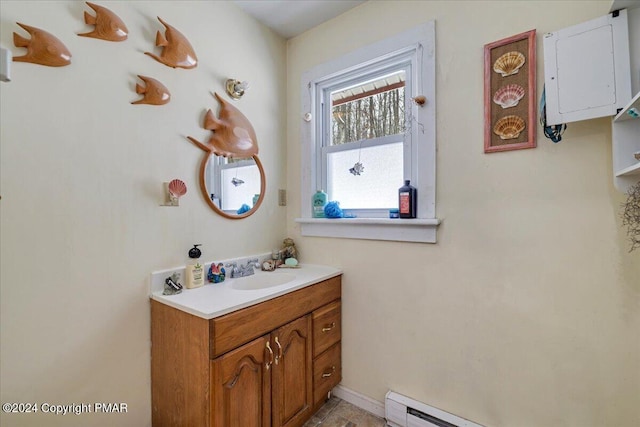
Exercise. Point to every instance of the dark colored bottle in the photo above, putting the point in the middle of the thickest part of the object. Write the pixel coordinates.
(408, 200)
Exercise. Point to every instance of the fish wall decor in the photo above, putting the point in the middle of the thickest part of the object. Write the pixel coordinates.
(233, 135)
(108, 26)
(176, 49)
(155, 93)
(43, 48)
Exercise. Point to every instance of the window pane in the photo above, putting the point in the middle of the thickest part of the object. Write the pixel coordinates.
(377, 186)
(371, 109)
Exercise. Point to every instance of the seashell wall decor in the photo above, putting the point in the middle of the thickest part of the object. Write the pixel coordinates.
(510, 93)
(173, 191)
(508, 96)
(509, 127)
(177, 188)
(43, 48)
(108, 26)
(509, 63)
(176, 49)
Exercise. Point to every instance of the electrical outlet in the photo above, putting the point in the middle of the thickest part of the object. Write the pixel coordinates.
(282, 197)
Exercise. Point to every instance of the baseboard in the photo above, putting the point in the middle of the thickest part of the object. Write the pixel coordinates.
(359, 400)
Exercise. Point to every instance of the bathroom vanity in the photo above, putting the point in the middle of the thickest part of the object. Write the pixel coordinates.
(268, 356)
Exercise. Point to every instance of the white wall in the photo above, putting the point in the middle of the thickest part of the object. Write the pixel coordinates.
(527, 310)
(81, 183)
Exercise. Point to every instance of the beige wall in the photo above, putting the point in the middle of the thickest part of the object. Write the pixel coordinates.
(526, 312)
(81, 181)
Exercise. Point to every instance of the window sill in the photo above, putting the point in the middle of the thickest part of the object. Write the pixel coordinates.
(403, 230)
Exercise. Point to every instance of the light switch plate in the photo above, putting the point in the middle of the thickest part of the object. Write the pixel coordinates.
(5, 65)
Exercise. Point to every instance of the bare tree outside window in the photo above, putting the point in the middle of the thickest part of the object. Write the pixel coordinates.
(363, 113)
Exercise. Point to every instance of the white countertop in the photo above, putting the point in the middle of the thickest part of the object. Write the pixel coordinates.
(215, 299)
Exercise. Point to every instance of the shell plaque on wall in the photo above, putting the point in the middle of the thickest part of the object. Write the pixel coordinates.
(509, 127)
(176, 49)
(43, 48)
(177, 188)
(108, 26)
(508, 96)
(509, 63)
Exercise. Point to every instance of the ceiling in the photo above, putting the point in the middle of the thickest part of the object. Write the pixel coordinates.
(290, 18)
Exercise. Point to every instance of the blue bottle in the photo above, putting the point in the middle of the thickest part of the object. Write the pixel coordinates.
(318, 202)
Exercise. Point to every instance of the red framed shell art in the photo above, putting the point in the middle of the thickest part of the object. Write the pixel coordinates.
(510, 93)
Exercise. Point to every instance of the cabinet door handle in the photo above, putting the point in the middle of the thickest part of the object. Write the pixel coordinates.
(327, 328)
(270, 361)
(279, 356)
(328, 374)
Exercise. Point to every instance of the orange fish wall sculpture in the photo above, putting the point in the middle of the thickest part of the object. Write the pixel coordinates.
(155, 93)
(176, 49)
(108, 26)
(43, 48)
(233, 135)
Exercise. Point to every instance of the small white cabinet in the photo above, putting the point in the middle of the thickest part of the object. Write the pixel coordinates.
(625, 127)
(593, 70)
(625, 142)
(586, 69)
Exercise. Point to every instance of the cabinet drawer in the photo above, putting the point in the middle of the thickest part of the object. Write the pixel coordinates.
(327, 373)
(326, 327)
(234, 329)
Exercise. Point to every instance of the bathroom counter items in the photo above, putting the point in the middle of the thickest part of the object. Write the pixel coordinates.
(216, 299)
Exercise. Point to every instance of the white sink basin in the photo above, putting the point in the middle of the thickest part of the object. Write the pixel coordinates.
(262, 281)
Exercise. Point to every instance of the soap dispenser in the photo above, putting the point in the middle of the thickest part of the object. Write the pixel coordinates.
(194, 275)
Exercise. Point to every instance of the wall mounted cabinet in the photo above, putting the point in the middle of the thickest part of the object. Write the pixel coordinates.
(593, 70)
(586, 69)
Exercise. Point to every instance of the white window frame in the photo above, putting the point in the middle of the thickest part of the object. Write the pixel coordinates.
(399, 61)
(418, 44)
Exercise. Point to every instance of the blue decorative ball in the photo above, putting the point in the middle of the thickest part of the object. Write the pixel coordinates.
(332, 210)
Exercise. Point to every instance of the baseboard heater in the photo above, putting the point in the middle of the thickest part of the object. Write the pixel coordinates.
(402, 411)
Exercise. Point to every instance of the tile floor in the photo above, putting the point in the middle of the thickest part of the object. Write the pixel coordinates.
(338, 413)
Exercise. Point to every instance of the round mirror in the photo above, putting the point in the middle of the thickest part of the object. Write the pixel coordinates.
(233, 187)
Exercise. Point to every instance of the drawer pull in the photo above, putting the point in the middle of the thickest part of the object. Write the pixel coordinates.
(327, 328)
(279, 356)
(328, 374)
(270, 361)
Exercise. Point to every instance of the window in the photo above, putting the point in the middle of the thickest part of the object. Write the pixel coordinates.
(364, 135)
(361, 161)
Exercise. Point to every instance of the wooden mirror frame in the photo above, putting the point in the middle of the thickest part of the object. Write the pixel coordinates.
(207, 197)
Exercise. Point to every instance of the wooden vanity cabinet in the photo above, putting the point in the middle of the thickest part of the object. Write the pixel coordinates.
(327, 366)
(267, 365)
(265, 382)
(292, 374)
(241, 387)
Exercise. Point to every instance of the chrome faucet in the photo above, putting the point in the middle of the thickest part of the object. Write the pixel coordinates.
(234, 270)
(243, 270)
